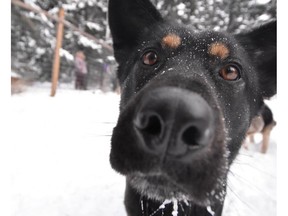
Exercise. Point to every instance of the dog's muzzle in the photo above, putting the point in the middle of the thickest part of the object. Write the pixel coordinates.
(174, 122)
(170, 143)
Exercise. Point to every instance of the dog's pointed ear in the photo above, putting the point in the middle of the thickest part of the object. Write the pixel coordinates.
(127, 20)
(261, 45)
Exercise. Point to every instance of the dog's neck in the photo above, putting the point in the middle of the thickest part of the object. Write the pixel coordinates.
(150, 207)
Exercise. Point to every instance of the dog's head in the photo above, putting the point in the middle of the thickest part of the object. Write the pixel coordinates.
(187, 101)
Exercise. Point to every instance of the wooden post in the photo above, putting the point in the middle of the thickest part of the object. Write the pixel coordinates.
(56, 62)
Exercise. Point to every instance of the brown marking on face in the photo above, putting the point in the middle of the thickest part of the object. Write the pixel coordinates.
(171, 40)
(219, 49)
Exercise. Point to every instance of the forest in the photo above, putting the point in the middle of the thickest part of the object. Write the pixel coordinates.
(33, 35)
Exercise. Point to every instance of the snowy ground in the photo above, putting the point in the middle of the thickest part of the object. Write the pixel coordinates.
(61, 166)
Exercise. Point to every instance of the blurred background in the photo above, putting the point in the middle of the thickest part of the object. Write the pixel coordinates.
(34, 28)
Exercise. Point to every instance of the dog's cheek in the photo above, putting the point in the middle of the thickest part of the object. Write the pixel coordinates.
(238, 105)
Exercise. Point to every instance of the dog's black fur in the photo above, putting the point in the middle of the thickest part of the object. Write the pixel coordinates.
(267, 115)
(187, 102)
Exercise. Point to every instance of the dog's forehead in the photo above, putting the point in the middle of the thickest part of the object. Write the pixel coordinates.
(214, 43)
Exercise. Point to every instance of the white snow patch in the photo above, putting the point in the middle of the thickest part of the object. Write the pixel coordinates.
(40, 50)
(61, 153)
(264, 17)
(89, 43)
(181, 6)
(262, 1)
(14, 74)
(95, 26)
(61, 158)
(71, 6)
(111, 58)
(30, 2)
(100, 60)
(81, 5)
(180, 12)
(66, 54)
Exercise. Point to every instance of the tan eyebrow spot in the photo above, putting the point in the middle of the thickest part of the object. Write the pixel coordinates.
(171, 40)
(219, 49)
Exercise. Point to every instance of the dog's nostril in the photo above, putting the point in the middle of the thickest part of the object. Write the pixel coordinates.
(153, 126)
(149, 123)
(191, 136)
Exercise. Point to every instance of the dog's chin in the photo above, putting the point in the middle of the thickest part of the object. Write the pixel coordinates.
(159, 187)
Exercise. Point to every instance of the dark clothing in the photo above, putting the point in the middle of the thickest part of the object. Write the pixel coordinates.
(81, 81)
(81, 73)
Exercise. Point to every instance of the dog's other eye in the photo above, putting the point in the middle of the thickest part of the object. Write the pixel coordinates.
(230, 72)
(150, 58)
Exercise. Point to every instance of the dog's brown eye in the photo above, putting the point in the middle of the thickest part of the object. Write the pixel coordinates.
(150, 58)
(230, 72)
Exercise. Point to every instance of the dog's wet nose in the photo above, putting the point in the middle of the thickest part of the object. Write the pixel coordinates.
(174, 121)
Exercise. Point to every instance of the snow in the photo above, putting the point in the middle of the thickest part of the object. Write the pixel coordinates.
(81, 5)
(160, 5)
(264, 17)
(110, 58)
(181, 6)
(89, 43)
(40, 50)
(175, 208)
(61, 164)
(61, 149)
(66, 54)
(14, 74)
(71, 6)
(93, 25)
(262, 1)
(30, 2)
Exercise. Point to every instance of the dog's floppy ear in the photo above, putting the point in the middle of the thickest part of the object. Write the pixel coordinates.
(127, 19)
(260, 44)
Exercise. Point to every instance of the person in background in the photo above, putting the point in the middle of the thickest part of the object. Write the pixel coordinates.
(81, 71)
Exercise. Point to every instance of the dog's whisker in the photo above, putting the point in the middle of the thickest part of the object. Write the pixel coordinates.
(105, 123)
(251, 184)
(147, 208)
(182, 208)
(239, 198)
(103, 135)
(255, 167)
(245, 155)
(234, 206)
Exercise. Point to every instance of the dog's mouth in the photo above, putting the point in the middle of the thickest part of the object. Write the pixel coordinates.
(159, 186)
(156, 186)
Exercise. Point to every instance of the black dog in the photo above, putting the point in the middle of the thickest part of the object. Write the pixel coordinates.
(187, 102)
(263, 123)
